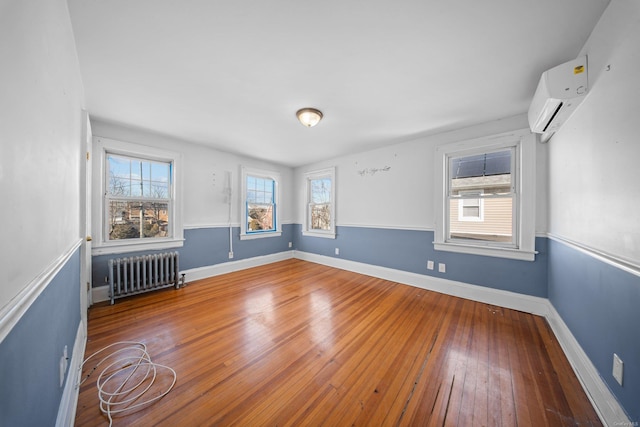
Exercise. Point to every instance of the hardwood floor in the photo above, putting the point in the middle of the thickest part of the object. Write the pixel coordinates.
(296, 343)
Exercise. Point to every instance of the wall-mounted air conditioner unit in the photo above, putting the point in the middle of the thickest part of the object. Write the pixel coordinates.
(560, 90)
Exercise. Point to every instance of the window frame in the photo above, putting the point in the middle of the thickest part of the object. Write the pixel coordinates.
(523, 187)
(308, 177)
(246, 234)
(101, 243)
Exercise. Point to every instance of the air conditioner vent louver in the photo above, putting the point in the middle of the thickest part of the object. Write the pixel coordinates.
(555, 113)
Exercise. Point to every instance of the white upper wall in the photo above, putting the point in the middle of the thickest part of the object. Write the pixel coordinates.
(40, 146)
(205, 176)
(403, 195)
(594, 160)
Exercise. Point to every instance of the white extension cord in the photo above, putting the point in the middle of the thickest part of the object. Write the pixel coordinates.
(118, 374)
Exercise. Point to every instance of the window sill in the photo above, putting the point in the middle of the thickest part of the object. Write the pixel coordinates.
(510, 253)
(121, 248)
(261, 235)
(327, 235)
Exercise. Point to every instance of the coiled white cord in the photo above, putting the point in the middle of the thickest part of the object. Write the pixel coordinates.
(129, 376)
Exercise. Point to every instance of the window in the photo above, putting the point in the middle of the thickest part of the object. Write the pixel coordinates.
(320, 203)
(488, 195)
(138, 207)
(260, 204)
(261, 207)
(477, 184)
(137, 198)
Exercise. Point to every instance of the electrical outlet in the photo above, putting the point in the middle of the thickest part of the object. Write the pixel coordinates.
(290, 244)
(442, 268)
(62, 368)
(429, 265)
(64, 363)
(337, 251)
(230, 255)
(618, 368)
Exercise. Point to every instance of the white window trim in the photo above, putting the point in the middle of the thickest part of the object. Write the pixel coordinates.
(526, 190)
(260, 173)
(323, 173)
(100, 245)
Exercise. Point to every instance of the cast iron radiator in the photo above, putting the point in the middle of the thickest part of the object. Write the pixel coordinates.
(134, 275)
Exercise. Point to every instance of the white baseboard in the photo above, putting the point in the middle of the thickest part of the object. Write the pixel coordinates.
(601, 397)
(101, 293)
(231, 266)
(69, 402)
(506, 299)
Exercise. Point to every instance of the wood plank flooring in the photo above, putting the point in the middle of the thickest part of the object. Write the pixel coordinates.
(300, 344)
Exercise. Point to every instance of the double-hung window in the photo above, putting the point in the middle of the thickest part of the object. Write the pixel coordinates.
(487, 202)
(260, 204)
(138, 207)
(138, 198)
(481, 197)
(320, 203)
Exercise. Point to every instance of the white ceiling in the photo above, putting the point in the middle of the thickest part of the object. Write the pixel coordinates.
(232, 74)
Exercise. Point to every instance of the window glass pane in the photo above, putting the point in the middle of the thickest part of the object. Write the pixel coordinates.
(268, 191)
(119, 166)
(321, 217)
(260, 190)
(481, 198)
(496, 224)
(136, 169)
(131, 177)
(118, 186)
(119, 175)
(483, 174)
(134, 220)
(471, 211)
(260, 217)
(159, 190)
(136, 188)
(320, 190)
(488, 164)
(160, 172)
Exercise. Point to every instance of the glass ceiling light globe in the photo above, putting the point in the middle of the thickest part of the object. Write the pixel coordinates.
(309, 117)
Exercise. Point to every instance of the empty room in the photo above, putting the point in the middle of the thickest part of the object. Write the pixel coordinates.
(335, 214)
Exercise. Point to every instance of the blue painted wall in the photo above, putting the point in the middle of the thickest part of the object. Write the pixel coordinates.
(598, 302)
(409, 250)
(30, 391)
(205, 247)
(406, 250)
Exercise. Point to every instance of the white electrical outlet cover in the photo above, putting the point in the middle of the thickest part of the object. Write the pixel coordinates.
(618, 368)
(442, 268)
(430, 265)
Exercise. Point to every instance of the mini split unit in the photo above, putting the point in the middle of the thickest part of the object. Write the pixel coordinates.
(559, 92)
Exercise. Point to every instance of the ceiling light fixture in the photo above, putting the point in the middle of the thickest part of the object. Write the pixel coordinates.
(309, 117)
